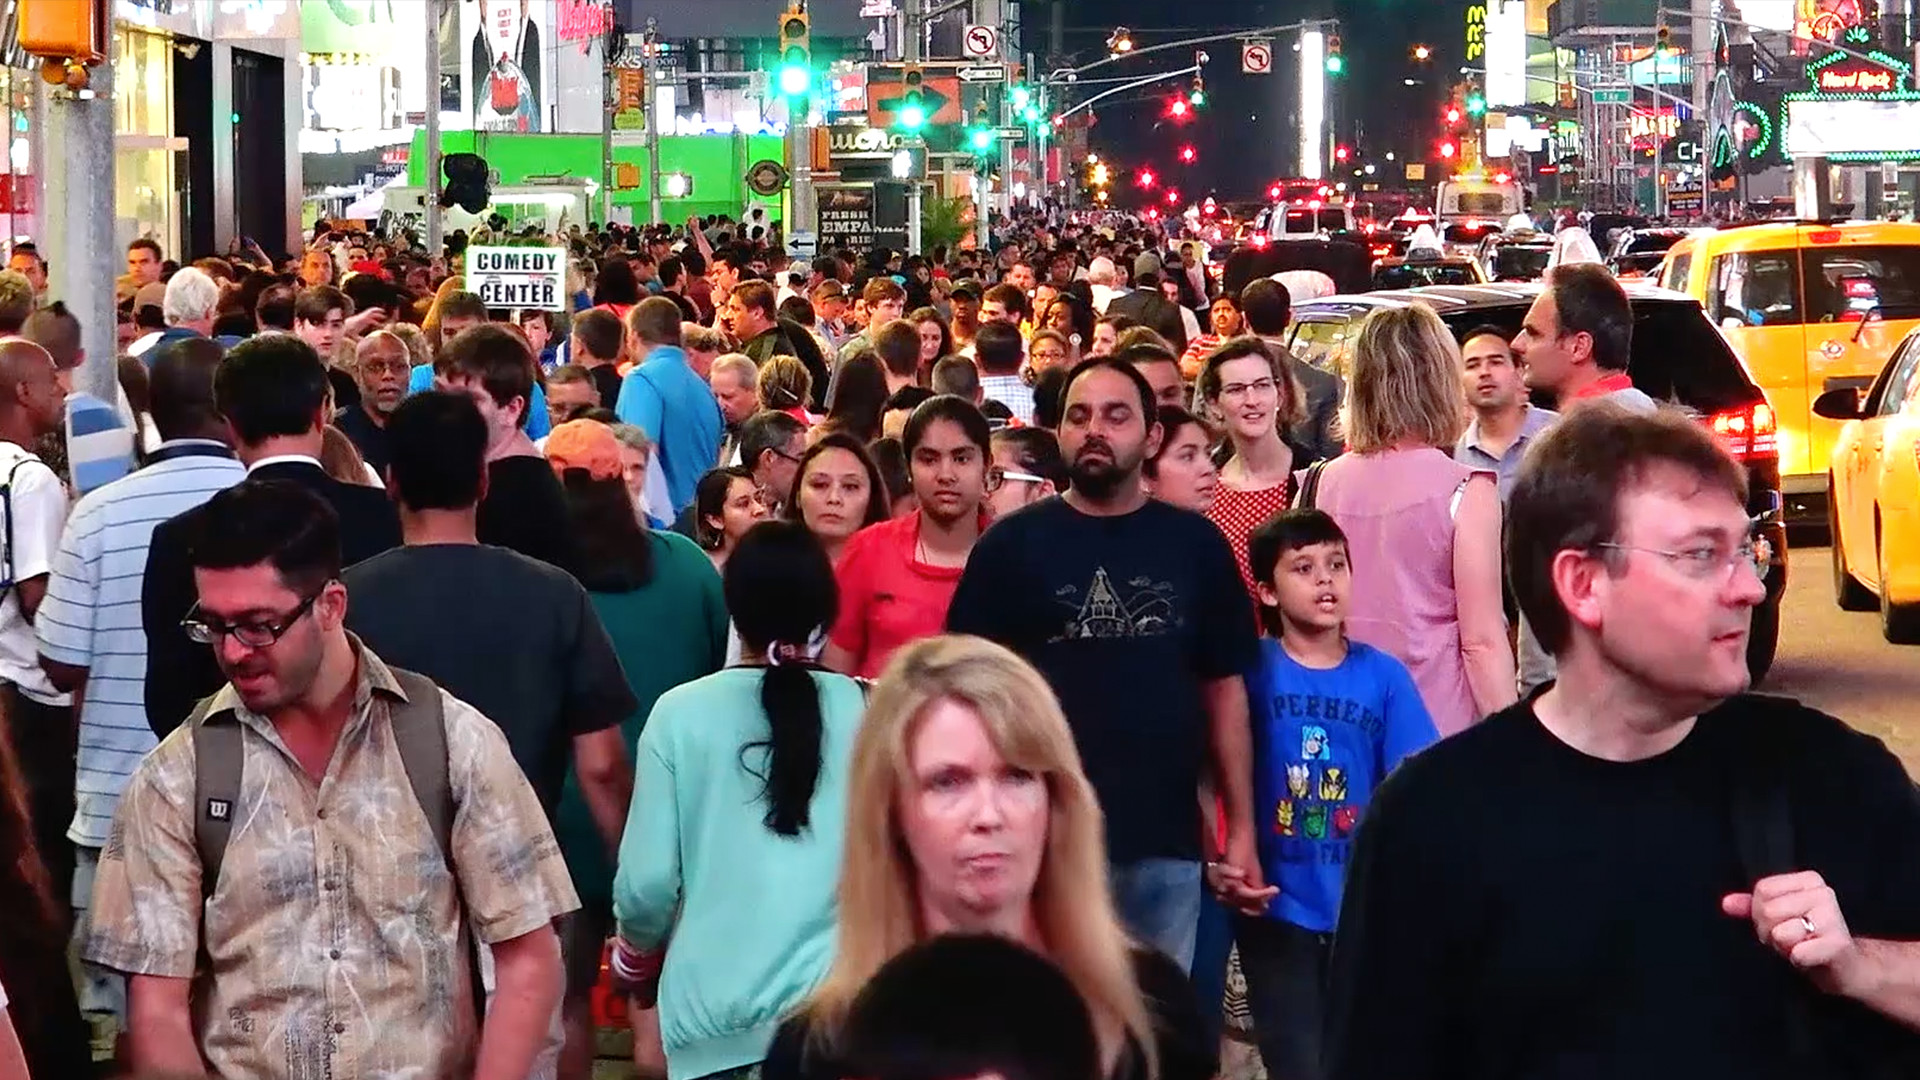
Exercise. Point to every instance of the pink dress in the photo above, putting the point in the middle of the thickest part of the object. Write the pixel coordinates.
(1396, 508)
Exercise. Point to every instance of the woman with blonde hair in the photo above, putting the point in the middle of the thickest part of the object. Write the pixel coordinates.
(1423, 531)
(431, 324)
(968, 812)
(786, 386)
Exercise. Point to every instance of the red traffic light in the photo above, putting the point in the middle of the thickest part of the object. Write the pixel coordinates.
(1173, 197)
(1342, 153)
(1146, 179)
(1447, 149)
(1187, 154)
(1179, 109)
(1453, 114)
(1153, 213)
(1273, 192)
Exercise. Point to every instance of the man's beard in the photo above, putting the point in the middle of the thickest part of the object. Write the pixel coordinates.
(1100, 480)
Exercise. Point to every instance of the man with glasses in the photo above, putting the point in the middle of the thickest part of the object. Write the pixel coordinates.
(1641, 870)
(381, 364)
(272, 392)
(334, 911)
(771, 444)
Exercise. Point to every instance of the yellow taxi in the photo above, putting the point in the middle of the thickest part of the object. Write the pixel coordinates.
(1874, 510)
(1810, 307)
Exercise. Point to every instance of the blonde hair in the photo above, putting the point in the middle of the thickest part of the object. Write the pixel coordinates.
(431, 324)
(879, 908)
(785, 383)
(415, 339)
(1406, 383)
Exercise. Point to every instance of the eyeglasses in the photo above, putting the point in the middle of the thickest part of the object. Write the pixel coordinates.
(1241, 390)
(997, 477)
(254, 635)
(1704, 563)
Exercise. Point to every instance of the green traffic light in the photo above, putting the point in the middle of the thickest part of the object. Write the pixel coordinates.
(795, 80)
(1336, 64)
(1030, 114)
(1021, 97)
(981, 138)
(1476, 105)
(1198, 98)
(913, 116)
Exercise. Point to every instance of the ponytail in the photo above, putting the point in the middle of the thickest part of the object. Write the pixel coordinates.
(791, 700)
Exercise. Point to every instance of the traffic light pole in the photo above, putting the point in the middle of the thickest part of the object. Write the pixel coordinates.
(432, 208)
(651, 45)
(81, 224)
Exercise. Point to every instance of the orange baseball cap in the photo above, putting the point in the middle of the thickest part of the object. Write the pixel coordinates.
(584, 444)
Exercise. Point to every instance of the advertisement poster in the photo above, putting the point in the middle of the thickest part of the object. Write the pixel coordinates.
(846, 217)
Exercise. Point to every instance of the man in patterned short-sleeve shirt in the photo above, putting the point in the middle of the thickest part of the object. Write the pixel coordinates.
(334, 942)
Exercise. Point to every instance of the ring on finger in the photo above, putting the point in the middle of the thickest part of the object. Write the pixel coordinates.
(1806, 924)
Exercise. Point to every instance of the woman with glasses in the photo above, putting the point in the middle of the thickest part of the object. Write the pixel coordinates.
(1251, 388)
(734, 839)
(968, 812)
(726, 504)
(1027, 467)
(1423, 530)
(837, 491)
(1182, 471)
(1046, 350)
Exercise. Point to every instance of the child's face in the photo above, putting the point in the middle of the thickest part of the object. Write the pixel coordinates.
(1310, 587)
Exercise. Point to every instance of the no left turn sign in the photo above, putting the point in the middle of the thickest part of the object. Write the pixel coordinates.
(982, 41)
(1256, 57)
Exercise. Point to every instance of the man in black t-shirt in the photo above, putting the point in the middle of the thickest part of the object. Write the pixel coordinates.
(1134, 612)
(1642, 871)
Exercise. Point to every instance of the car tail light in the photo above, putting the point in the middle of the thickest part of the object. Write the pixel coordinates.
(1750, 432)
(1824, 236)
(1381, 251)
(1259, 241)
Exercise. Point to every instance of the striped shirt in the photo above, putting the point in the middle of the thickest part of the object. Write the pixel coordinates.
(91, 615)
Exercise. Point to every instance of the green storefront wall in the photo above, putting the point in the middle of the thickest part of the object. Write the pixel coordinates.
(717, 164)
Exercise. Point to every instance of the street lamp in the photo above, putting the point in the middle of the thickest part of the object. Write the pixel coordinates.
(1423, 52)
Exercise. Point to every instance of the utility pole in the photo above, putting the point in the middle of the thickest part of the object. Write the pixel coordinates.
(910, 42)
(651, 43)
(432, 208)
(83, 245)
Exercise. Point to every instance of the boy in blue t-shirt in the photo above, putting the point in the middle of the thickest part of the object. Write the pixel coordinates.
(1331, 718)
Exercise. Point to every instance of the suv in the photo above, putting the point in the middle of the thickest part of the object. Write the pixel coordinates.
(1810, 307)
(1639, 252)
(1516, 256)
(1678, 359)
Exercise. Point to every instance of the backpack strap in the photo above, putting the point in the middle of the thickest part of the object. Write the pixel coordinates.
(219, 757)
(420, 733)
(1309, 495)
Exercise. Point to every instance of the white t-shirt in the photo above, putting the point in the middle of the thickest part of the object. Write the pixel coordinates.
(37, 506)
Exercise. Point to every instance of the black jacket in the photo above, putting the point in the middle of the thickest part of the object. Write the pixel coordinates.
(181, 672)
(1323, 391)
(1152, 310)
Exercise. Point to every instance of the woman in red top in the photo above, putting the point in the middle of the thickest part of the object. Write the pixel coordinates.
(1243, 381)
(897, 578)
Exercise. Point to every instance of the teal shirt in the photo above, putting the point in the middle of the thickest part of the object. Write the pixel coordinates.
(673, 630)
(750, 913)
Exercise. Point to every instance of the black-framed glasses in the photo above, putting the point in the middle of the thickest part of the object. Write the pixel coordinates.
(254, 635)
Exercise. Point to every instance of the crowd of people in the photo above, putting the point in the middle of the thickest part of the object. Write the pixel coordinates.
(899, 666)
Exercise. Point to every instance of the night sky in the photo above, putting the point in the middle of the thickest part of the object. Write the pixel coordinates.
(1247, 134)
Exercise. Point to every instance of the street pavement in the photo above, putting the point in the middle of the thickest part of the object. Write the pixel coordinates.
(1836, 661)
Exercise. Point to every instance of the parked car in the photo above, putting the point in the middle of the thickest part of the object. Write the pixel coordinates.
(1873, 506)
(1678, 358)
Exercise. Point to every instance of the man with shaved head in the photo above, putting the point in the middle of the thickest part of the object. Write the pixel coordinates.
(33, 509)
(88, 626)
(381, 364)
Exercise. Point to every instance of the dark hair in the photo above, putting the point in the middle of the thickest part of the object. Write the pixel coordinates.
(1080, 312)
(756, 294)
(921, 315)
(768, 429)
(237, 324)
(277, 522)
(527, 315)
(1488, 330)
(798, 308)
(46, 1013)
(859, 397)
(997, 348)
(1037, 451)
(781, 591)
(1292, 408)
(460, 304)
(891, 458)
(1271, 540)
(908, 398)
(1009, 298)
(271, 385)
(496, 357)
(710, 500)
(956, 375)
(670, 269)
(1112, 363)
(897, 345)
(958, 1006)
(656, 321)
(878, 508)
(600, 332)
(612, 551)
(1050, 397)
(1267, 306)
(952, 408)
(1589, 300)
(437, 451)
(150, 245)
(1172, 419)
(616, 284)
(180, 388)
(312, 304)
(1568, 493)
(55, 329)
(274, 309)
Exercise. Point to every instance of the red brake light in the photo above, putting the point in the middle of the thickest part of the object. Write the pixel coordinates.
(1259, 240)
(1824, 236)
(1749, 433)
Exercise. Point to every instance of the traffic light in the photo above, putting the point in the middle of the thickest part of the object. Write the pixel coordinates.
(1454, 115)
(1101, 174)
(1476, 103)
(913, 98)
(1187, 155)
(1423, 52)
(1198, 96)
(1342, 154)
(796, 55)
(1663, 39)
(1178, 109)
(64, 29)
(1146, 179)
(1336, 60)
(1120, 42)
(1448, 149)
(1273, 192)
(469, 183)
(980, 135)
(1173, 197)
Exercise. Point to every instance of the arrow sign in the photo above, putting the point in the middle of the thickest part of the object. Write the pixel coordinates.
(981, 41)
(1256, 57)
(985, 73)
(939, 95)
